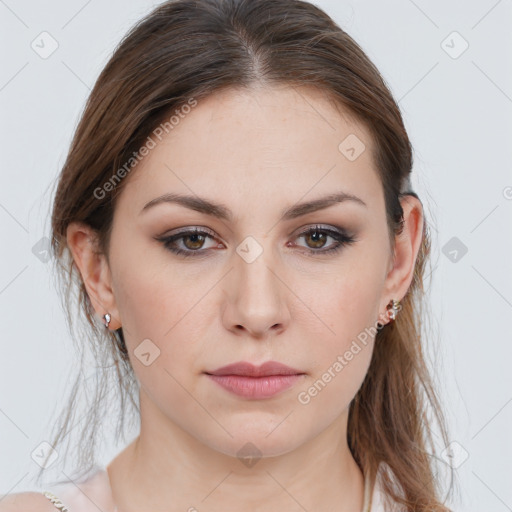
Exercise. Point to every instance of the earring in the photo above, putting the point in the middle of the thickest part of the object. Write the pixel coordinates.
(107, 318)
(393, 308)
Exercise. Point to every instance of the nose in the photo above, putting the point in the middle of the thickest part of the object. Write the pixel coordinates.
(255, 298)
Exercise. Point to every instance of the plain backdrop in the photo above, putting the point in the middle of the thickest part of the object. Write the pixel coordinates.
(448, 65)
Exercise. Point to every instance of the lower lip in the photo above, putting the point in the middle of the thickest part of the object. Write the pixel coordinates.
(256, 387)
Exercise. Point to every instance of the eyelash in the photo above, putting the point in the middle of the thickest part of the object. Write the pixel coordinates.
(341, 238)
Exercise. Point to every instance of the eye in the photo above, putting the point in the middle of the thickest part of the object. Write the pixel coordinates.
(317, 236)
(192, 240)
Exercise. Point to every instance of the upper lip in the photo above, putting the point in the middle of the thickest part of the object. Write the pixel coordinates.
(250, 370)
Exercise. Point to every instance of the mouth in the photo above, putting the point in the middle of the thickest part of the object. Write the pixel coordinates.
(246, 369)
(256, 382)
(256, 387)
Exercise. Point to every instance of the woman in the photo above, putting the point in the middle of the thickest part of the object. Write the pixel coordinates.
(236, 207)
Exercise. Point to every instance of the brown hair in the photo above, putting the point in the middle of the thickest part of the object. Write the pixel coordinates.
(191, 49)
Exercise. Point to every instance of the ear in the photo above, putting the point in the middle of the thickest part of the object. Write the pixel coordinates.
(407, 245)
(94, 269)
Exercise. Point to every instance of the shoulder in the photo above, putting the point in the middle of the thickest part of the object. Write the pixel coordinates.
(26, 502)
(87, 491)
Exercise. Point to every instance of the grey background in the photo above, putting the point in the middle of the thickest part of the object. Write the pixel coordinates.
(457, 109)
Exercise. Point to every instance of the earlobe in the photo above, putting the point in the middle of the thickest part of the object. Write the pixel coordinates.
(407, 245)
(94, 270)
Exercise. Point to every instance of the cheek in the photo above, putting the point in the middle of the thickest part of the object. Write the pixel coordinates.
(159, 313)
(152, 292)
(157, 301)
(342, 354)
(349, 305)
(348, 314)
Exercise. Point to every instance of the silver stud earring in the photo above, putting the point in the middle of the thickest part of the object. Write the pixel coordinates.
(393, 308)
(106, 319)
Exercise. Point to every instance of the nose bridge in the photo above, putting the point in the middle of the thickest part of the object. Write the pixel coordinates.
(256, 292)
(255, 259)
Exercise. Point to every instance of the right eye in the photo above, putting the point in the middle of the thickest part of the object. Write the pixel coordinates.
(192, 242)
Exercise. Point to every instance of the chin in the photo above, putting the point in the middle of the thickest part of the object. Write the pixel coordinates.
(257, 438)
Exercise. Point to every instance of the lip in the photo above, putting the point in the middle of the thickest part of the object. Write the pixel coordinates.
(246, 369)
(256, 382)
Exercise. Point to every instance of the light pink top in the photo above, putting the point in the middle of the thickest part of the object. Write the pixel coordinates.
(92, 492)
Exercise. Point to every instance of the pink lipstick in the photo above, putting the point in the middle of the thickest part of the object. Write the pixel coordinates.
(256, 382)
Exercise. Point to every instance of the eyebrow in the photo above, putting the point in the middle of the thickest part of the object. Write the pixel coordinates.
(220, 211)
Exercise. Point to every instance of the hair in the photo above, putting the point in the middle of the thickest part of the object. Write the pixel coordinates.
(188, 50)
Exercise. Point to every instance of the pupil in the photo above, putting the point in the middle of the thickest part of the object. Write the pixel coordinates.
(196, 239)
(317, 238)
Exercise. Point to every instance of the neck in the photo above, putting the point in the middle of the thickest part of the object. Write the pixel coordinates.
(166, 469)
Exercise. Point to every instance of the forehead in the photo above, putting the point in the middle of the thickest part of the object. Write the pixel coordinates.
(256, 144)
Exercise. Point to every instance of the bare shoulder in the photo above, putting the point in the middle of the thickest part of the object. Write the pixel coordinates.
(26, 502)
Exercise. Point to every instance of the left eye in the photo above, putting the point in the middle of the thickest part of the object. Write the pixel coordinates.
(319, 235)
(193, 241)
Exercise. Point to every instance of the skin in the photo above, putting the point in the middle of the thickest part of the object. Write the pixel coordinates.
(256, 151)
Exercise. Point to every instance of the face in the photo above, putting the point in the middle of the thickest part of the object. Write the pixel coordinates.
(304, 288)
